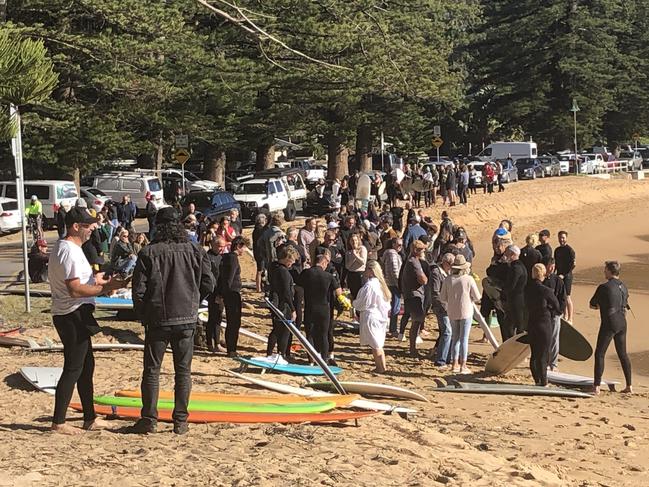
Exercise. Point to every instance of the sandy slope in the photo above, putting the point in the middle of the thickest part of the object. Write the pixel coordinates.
(456, 440)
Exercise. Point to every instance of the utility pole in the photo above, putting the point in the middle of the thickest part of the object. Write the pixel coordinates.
(574, 111)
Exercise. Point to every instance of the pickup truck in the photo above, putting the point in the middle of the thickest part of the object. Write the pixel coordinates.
(309, 171)
(272, 190)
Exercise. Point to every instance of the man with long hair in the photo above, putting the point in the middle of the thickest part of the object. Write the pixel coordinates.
(170, 278)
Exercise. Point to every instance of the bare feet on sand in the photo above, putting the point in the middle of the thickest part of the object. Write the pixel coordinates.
(627, 390)
(96, 424)
(66, 429)
(595, 390)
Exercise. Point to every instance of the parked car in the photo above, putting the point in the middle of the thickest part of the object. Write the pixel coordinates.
(137, 185)
(551, 165)
(529, 168)
(213, 204)
(95, 198)
(272, 190)
(594, 162)
(51, 193)
(633, 160)
(510, 171)
(644, 153)
(567, 161)
(9, 215)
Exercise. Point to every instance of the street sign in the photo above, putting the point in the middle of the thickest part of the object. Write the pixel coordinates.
(437, 142)
(182, 141)
(437, 130)
(182, 156)
(636, 136)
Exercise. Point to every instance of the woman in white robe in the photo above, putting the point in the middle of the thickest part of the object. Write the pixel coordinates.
(373, 304)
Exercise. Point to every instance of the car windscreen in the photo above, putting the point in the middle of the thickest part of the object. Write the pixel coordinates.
(252, 188)
(525, 162)
(154, 184)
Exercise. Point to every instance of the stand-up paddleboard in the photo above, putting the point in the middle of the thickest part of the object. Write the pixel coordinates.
(485, 327)
(42, 378)
(508, 355)
(372, 389)
(10, 341)
(315, 356)
(113, 303)
(573, 380)
(493, 290)
(572, 344)
(222, 406)
(339, 399)
(422, 185)
(286, 368)
(363, 187)
(233, 417)
(510, 389)
(13, 331)
(311, 393)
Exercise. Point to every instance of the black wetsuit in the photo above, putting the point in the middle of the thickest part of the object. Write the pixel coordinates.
(541, 304)
(546, 252)
(564, 259)
(529, 257)
(229, 287)
(319, 287)
(281, 294)
(514, 293)
(612, 300)
(214, 308)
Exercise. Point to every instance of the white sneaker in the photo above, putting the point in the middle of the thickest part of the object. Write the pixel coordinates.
(402, 337)
(419, 340)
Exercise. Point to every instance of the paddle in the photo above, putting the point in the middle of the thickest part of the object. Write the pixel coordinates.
(307, 346)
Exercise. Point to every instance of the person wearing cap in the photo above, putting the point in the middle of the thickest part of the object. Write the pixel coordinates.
(564, 258)
(414, 279)
(459, 292)
(544, 248)
(34, 213)
(171, 277)
(541, 304)
(37, 263)
(74, 287)
(514, 294)
(413, 232)
(529, 255)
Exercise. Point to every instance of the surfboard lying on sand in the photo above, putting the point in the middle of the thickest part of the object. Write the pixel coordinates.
(508, 355)
(371, 389)
(287, 389)
(224, 406)
(11, 332)
(37, 293)
(95, 346)
(202, 315)
(287, 368)
(42, 378)
(340, 399)
(572, 344)
(229, 417)
(113, 303)
(485, 327)
(510, 389)
(573, 380)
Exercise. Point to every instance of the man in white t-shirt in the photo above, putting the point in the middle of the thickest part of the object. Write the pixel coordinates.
(74, 288)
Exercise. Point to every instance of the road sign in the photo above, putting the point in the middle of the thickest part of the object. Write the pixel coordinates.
(437, 142)
(182, 141)
(437, 130)
(182, 156)
(636, 136)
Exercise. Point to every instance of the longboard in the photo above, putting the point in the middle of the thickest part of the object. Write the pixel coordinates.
(287, 369)
(223, 406)
(510, 389)
(287, 389)
(363, 187)
(572, 344)
(485, 327)
(44, 379)
(573, 380)
(508, 355)
(95, 346)
(220, 417)
(371, 389)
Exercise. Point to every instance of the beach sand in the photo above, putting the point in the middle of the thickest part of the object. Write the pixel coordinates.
(456, 439)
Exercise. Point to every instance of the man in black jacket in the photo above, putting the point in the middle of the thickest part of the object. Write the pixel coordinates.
(553, 282)
(282, 296)
(514, 294)
(229, 288)
(170, 278)
(214, 301)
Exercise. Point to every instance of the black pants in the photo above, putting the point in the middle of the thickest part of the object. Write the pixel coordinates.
(461, 190)
(78, 366)
(355, 282)
(232, 301)
(319, 319)
(501, 186)
(540, 337)
(298, 302)
(213, 325)
(156, 341)
(279, 336)
(606, 334)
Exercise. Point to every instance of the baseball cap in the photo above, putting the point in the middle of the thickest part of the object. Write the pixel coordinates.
(167, 215)
(332, 225)
(544, 233)
(79, 215)
(34, 197)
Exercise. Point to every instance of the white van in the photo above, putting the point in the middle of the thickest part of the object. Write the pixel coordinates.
(51, 193)
(500, 150)
(119, 184)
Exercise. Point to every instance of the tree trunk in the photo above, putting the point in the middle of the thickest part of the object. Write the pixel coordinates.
(214, 167)
(159, 156)
(76, 175)
(363, 159)
(265, 156)
(338, 153)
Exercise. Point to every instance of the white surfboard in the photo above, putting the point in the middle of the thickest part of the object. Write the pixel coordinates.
(563, 379)
(18, 342)
(202, 315)
(363, 187)
(95, 346)
(286, 389)
(42, 378)
(508, 355)
(372, 389)
(485, 327)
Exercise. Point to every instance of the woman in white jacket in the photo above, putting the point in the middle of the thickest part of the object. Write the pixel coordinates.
(373, 304)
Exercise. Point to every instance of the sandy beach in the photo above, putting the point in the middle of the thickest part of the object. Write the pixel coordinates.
(455, 439)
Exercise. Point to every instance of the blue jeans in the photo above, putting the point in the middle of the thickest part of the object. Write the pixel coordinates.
(444, 340)
(395, 307)
(460, 340)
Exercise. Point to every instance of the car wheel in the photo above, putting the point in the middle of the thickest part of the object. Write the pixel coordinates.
(507, 180)
(533, 174)
(290, 212)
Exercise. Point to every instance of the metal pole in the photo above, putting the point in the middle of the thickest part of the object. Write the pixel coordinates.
(383, 167)
(576, 156)
(182, 168)
(437, 155)
(17, 148)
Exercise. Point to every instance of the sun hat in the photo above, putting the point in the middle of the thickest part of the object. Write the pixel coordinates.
(461, 263)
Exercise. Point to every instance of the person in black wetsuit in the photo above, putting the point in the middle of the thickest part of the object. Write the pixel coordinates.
(214, 300)
(529, 254)
(282, 296)
(553, 282)
(564, 258)
(544, 247)
(612, 300)
(541, 304)
(229, 288)
(514, 294)
(319, 288)
(298, 293)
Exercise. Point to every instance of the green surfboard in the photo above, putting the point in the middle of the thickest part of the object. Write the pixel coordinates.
(223, 406)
